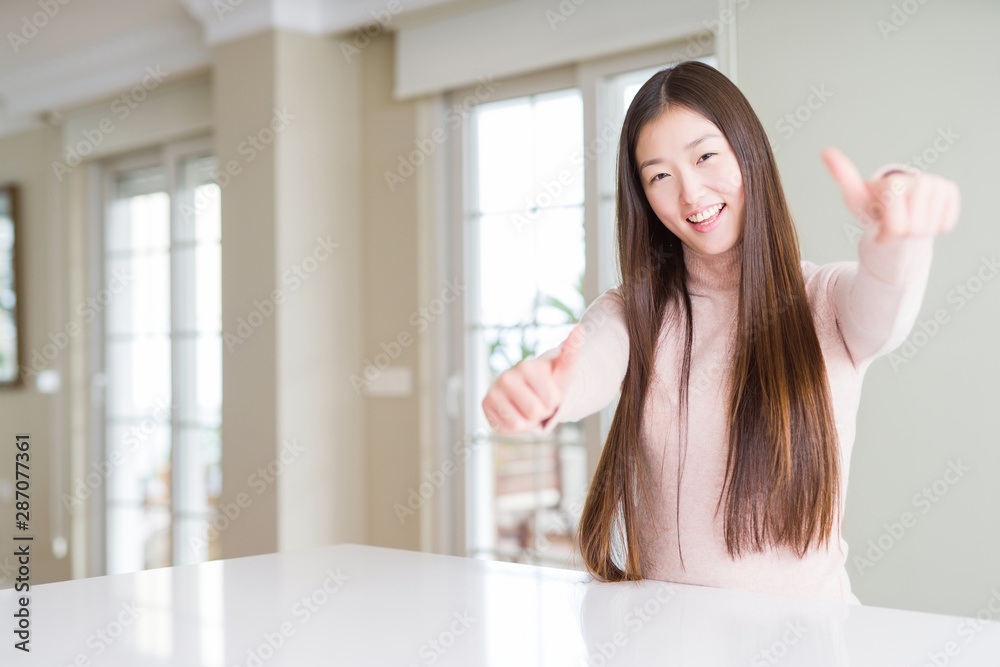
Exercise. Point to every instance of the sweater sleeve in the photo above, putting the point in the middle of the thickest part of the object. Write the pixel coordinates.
(877, 298)
(601, 364)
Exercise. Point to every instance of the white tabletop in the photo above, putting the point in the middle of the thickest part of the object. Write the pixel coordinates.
(359, 605)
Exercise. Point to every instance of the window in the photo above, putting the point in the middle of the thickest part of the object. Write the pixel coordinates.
(536, 167)
(526, 227)
(162, 333)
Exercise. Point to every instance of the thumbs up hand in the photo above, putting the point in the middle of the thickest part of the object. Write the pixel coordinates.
(898, 204)
(531, 392)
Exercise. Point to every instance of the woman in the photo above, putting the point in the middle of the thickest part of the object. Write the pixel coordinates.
(739, 365)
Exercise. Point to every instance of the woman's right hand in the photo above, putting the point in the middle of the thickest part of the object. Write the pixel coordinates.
(531, 392)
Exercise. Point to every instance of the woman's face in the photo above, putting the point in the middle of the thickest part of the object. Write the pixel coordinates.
(687, 167)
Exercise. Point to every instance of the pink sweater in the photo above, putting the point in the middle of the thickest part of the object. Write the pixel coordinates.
(862, 310)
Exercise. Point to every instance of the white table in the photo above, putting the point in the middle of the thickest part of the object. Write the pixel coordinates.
(359, 605)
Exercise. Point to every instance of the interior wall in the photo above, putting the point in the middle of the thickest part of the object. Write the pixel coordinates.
(244, 97)
(885, 85)
(318, 233)
(24, 161)
(390, 301)
(292, 293)
(505, 39)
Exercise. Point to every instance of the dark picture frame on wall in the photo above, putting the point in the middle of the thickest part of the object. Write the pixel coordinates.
(10, 308)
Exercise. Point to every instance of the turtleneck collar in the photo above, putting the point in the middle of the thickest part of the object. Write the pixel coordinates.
(713, 272)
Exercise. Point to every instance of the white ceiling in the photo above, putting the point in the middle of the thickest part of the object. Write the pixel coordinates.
(92, 49)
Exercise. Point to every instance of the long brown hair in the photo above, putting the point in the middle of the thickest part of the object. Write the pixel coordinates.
(783, 468)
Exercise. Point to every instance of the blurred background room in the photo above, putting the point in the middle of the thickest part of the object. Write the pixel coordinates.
(261, 260)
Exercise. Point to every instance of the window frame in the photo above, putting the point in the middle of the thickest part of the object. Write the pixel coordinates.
(601, 270)
(101, 186)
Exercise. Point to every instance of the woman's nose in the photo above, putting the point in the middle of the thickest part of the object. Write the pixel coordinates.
(692, 190)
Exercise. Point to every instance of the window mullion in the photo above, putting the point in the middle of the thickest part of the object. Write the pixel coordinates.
(177, 380)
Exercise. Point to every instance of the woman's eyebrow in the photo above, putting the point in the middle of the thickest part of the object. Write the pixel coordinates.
(691, 145)
(699, 140)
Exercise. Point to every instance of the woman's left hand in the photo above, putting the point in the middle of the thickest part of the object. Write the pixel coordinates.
(900, 204)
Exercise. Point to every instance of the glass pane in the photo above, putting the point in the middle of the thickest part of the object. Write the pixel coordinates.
(559, 149)
(199, 287)
(208, 370)
(208, 221)
(200, 389)
(482, 538)
(6, 247)
(138, 538)
(208, 277)
(199, 200)
(125, 539)
(159, 268)
(504, 155)
(553, 528)
(138, 463)
(138, 376)
(8, 298)
(549, 253)
(539, 490)
(561, 259)
(607, 252)
(139, 223)
(136, 294)
(201, 475)
(8, 344)
(530, 254)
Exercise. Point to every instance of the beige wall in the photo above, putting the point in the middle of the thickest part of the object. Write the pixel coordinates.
(24, 161)
(390, 295)
(889, 97)
(322, 498)
(243, 94)
(292, 237)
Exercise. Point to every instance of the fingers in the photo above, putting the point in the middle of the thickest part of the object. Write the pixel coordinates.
(512, 404)
(943, 208)
(904, 200)
(503, 417)
(502, 414)
(532, 391)
(541, 381)
(857, 196)
(922, 205)
(927, 204)
(937, 214)
(901, 204)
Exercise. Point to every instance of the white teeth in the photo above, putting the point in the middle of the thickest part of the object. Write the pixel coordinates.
(707, 214)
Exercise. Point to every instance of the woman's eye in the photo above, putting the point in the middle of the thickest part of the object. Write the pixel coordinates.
(657, 177)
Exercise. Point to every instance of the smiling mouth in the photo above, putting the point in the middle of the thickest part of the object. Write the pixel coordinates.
(709, 220)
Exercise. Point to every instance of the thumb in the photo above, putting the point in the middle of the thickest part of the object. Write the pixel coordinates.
(857, 195)
(562, 366)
